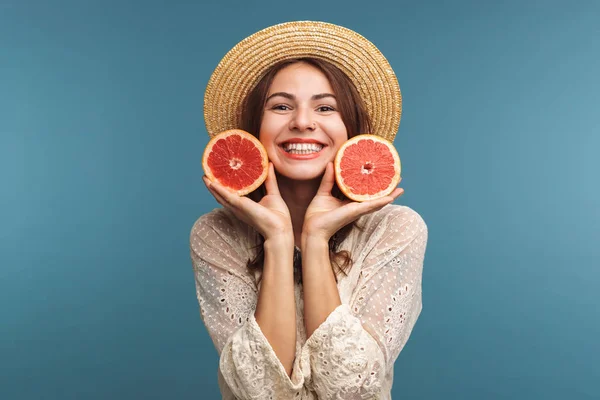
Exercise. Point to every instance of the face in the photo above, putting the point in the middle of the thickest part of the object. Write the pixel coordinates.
(301, 128)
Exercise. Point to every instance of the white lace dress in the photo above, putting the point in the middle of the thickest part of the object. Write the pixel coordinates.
(349, 356)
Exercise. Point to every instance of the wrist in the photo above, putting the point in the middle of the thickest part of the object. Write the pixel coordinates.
(282, 241)
(278, 259)
(315, 242)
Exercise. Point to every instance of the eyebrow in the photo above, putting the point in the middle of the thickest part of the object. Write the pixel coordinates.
(292, 97)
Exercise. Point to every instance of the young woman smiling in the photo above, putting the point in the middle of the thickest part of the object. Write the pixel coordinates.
(306, 294)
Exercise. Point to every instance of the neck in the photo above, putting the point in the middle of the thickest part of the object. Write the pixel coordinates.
(297, 195)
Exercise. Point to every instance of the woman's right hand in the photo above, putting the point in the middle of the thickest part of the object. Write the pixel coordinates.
(270, 216)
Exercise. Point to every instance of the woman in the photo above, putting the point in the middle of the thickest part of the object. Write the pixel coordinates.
(305, 294)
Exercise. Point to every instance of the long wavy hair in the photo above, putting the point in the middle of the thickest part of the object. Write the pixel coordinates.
(356, 119)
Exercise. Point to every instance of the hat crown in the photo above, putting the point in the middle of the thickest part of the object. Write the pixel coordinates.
(243, 66)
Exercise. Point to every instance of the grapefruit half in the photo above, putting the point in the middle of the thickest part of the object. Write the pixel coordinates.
(367, 167)
(237, 160)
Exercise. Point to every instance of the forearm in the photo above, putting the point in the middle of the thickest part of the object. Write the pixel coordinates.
(276, 306)
(321, 295)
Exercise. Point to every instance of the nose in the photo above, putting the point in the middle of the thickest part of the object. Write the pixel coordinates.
(302, 120)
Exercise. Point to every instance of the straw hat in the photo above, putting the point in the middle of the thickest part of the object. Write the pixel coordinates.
(243, 66)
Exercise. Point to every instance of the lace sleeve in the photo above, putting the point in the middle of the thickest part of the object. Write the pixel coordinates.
(227, 295)
(351, 353)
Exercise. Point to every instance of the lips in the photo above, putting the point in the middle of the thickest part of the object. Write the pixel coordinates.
(302, 140)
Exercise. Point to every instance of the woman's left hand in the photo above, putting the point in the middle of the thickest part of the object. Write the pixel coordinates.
(326, 214)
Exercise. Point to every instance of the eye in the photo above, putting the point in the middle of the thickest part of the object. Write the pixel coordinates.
(280, 107)
(325, 108)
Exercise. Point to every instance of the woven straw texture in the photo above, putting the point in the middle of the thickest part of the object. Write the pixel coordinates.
(244, 65)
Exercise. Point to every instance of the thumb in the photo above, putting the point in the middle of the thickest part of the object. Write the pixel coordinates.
(271, 181)
(327, 181)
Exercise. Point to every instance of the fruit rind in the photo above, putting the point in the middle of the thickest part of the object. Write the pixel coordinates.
(245, 135)
(338, 172)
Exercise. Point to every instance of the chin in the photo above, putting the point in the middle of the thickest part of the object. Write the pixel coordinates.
(303, 173)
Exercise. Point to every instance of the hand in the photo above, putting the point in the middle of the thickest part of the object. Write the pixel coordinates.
(326, 214)
(270, 216)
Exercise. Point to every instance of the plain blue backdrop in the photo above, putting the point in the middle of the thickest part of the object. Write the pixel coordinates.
(102, 134)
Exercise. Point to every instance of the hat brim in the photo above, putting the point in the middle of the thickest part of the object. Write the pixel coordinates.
(243, 66)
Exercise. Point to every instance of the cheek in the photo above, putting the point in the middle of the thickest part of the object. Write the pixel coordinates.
(268, 130)
(341, 132)
(265, 137)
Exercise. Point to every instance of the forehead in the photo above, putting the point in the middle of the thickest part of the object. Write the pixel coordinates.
(300, 76)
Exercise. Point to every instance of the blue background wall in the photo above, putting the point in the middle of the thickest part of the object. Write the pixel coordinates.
(101, 138)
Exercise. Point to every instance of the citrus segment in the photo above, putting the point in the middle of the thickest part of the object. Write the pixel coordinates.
(237, 160)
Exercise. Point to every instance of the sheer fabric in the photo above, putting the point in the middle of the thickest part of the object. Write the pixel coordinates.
(351, 354)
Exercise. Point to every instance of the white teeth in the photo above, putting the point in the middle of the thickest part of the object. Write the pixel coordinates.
(302, 148)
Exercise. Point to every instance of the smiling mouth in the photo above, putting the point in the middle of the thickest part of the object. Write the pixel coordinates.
(302, 148)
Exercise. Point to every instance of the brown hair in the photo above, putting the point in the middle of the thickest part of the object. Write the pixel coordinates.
(356, 119)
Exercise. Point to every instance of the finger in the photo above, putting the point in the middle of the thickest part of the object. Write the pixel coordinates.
(327, 181)
(241, 206)
(352, 210)
(209, 186)
(271, 182)
(396, 193)
(228, 197)
(216, 195)
(220, 199)
(370, 206)
(239, 213)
